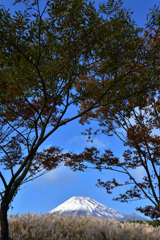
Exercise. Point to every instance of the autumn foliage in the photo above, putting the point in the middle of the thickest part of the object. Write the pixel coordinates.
(69, 54)
(135, 120)
(53, 57)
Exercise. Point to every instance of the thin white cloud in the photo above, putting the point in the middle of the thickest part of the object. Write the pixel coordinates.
(138, 173)
(60, 176)
(98, 143)
(82, 140)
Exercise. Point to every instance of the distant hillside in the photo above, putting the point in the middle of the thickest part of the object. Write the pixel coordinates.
(133, 217)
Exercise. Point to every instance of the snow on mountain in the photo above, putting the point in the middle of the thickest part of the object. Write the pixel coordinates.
(88, 207)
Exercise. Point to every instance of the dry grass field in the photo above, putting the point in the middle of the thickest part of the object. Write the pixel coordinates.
(71, 227)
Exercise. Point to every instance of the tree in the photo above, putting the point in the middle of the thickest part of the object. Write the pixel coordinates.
(50, 61)
(136, 122)
(139, 131)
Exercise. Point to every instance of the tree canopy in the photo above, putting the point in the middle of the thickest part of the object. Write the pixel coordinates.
(64, 54)
(135, 120)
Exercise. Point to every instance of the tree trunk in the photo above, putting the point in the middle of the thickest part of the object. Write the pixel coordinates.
(4, 223)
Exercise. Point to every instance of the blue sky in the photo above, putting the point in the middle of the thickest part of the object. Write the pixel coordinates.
(52, 189)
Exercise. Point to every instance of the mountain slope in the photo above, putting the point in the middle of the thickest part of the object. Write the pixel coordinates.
(88, 207)
(133, 217)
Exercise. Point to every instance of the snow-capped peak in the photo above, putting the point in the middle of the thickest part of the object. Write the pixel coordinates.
(87, 206)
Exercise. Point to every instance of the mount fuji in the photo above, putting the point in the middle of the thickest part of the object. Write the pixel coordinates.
(87, 206)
